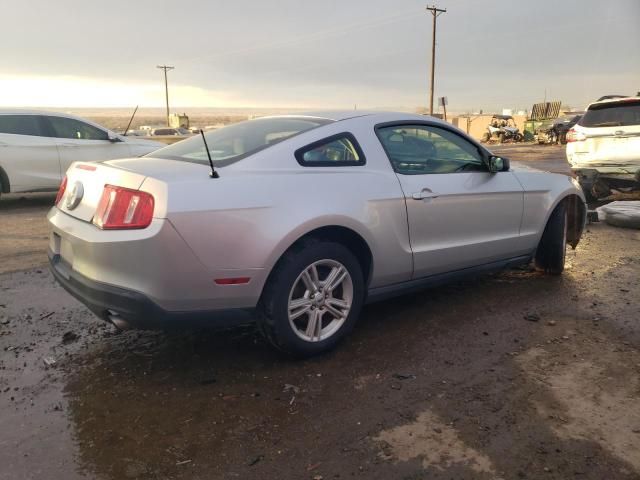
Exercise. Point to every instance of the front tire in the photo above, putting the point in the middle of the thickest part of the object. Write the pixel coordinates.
(551, 253)
(312, 299)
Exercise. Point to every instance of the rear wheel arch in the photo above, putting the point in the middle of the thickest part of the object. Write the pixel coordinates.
(337, 234)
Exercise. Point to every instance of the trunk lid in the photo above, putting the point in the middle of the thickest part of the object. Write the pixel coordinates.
(162, 169)
(132, 173)
(85, 182)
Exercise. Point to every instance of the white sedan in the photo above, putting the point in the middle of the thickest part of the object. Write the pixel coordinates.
(297, 221)
(36, 148)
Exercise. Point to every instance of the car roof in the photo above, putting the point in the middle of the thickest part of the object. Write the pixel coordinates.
(615, 100)
(336, 115)
(610, 97)
(375, 115)
(51, 113)
(24, 111)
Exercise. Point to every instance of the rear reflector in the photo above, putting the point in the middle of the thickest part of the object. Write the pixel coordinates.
(232, 281)
(61, 190)
(122, 208)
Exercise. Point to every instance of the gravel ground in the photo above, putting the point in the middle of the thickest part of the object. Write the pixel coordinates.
(515, 375)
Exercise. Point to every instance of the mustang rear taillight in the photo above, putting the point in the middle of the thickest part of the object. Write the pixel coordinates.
(123, 208)
(61, 190)
(575, 136)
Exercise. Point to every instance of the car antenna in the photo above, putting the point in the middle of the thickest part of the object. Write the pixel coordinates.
(212, 173)
(130, 120)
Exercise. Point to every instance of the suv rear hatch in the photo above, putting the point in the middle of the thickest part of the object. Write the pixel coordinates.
(612, 133)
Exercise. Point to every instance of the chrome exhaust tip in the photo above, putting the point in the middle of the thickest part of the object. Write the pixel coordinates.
(117, 321)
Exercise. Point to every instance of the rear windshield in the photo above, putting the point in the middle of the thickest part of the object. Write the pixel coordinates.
(615, 114)
(238, 141)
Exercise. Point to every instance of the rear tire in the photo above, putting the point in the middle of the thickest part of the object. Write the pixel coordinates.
(551, 252)
(318, 328)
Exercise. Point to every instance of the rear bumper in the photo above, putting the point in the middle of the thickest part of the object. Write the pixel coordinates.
(623, 177)
(587, 160)
(127, 307)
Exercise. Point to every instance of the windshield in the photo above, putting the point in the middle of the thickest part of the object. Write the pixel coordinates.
(615, 114)
(238, 141)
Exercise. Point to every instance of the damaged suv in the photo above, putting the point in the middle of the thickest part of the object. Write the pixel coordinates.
(603, 148)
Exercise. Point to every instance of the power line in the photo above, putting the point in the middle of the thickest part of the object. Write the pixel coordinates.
(166, 87)
(435, 12)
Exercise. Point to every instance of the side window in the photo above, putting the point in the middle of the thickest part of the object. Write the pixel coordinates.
(20, 125)
(337, 151)
(164, 131)
(425, 149)
(70, 128)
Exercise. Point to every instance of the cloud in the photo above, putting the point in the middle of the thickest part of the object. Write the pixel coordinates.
(75, 91)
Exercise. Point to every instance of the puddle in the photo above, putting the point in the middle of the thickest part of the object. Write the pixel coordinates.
(435, 443)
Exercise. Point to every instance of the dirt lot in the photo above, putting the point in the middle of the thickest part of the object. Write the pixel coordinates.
(510, 376)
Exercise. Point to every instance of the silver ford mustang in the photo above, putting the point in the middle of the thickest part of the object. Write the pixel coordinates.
(296, 221)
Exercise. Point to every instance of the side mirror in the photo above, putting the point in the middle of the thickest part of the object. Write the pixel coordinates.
(498, 164)
(114, 138)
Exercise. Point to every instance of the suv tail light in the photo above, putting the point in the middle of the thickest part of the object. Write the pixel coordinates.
(61, 190)
(123, 208)
(574, 136)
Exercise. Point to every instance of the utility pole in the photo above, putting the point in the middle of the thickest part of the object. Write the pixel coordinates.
(166, 87)
(435, 12)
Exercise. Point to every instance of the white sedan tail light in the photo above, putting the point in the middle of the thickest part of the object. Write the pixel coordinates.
(61, 190)
(123, 208)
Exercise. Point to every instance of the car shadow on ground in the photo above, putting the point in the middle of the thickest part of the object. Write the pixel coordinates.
(20, 201)
(451, 380)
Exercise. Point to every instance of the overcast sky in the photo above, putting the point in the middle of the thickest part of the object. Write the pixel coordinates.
(334, 54)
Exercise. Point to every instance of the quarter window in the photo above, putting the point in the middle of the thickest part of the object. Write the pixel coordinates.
(337, 151)
(425, 149)
(71, 128)
(235, 142)
(20, 125)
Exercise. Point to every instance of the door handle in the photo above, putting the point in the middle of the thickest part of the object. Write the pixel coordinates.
(424, 194)
(72, 145)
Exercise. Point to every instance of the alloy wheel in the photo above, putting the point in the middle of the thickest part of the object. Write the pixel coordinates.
(320, 300)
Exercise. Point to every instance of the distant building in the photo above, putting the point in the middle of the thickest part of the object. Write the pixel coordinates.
(178, 121)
